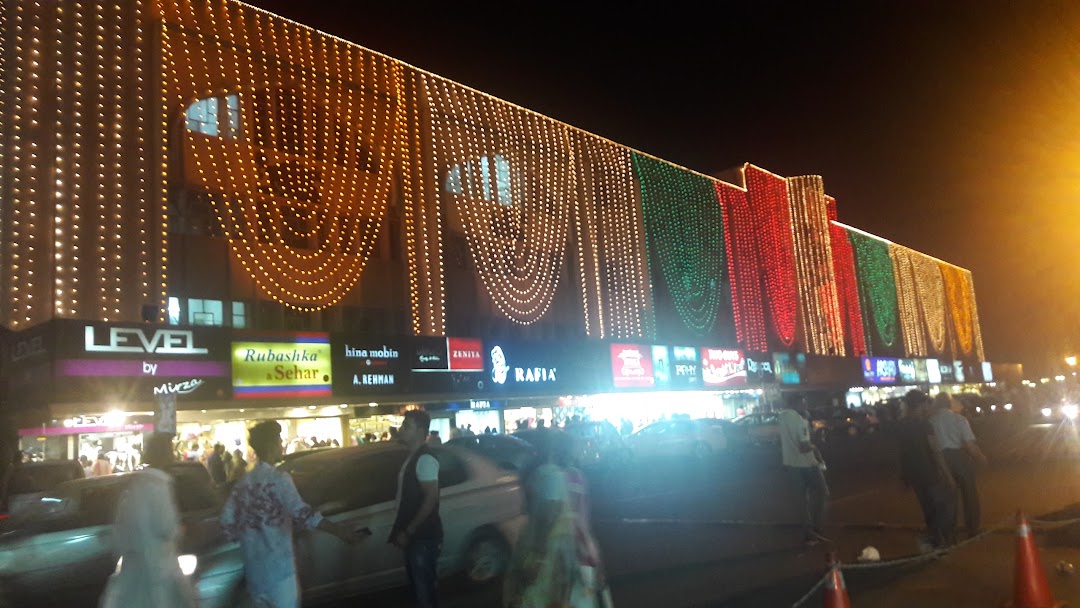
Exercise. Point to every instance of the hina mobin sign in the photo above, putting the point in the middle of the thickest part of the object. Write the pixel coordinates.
(297, 365)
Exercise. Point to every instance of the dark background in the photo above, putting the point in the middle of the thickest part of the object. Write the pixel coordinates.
(951, 127)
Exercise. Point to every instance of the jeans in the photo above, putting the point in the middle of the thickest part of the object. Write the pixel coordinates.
(962, 468)
(938, 504)
(421, 567)
(809, 483)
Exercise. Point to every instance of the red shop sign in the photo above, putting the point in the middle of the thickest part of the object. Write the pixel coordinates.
(631, 366)
(723, 367)
(466, 354)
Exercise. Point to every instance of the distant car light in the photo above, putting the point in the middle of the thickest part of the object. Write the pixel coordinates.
(1071, 411)
(993, 408)
(1046, 412)
(1008, 407)
(978, 409)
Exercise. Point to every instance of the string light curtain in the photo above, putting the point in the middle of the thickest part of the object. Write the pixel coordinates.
(847, 287)
(877, 291)
(772, 224)
(963, 312)
(744, 267)
(506, 179)
(907, 298)
(76, 215)
(611, 242)
(822, 323)
(291, 139)
(685, 236)
(930, 290)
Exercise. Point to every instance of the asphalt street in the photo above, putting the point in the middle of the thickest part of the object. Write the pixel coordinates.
(725, 533)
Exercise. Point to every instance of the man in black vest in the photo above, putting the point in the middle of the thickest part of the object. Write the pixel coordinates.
(417, 529)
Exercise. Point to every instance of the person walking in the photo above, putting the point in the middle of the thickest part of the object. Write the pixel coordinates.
(239, 468)
(102, 466)
(145, 534)
(961, 454)
(216, 465)
(804, 468)
(417, 528)
(259, 514)
(923, 469)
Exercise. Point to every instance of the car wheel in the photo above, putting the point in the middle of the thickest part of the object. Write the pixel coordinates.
(486, 558)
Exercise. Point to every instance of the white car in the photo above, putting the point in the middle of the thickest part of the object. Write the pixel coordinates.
(481, 506)
(697, 439)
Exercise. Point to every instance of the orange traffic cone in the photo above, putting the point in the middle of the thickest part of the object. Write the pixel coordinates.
(1030, 589)
(835, 590)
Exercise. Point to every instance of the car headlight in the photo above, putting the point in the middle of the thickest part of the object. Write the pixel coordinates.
(1071, 411)
(188, 564)
(1046, 412)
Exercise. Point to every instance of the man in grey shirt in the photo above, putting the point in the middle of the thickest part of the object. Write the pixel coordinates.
(961, 453)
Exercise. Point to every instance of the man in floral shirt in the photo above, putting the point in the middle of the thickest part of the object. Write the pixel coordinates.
(259, 515)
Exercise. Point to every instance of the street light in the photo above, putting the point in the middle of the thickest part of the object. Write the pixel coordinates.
(1071, 360)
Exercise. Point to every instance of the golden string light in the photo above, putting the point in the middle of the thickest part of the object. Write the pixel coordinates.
(506, 175)
(959, 293)
(820, 306)
(912, 326)
(930, 287)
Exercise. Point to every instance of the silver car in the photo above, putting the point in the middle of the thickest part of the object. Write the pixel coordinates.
(59, 551)
(481, 508)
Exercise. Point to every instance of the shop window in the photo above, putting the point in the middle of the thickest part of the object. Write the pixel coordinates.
(239, 315)
(214, 116)
(205, 312)
(460, 179)
(174, 310)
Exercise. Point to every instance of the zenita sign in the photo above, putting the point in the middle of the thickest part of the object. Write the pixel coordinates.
(135, 340)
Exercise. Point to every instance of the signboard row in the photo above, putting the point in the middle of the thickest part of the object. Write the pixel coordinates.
(884, 370)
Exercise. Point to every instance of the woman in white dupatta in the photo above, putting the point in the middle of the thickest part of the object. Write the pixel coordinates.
(144, 536)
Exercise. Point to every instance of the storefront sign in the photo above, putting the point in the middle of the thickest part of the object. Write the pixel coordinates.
(759, 369)
(296, 366)
(878, 370)
(958, 371)
(466, 354)
(367, 365)
(138, 340)
(632, 366)
(442, 365)
(531, 368)
(723, 367)
(789, 368)
(933, 371)
(945, 369)
(987, 371)
(921, 372)
(908, 373)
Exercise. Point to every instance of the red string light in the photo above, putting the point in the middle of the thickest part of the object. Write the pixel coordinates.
(847, 288)
(744, 267)
(772, 223)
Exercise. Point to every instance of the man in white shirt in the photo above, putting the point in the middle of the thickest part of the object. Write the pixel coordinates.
(803, 465)
(961, 454)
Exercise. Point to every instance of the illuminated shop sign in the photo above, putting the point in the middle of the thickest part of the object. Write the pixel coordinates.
(759, 369)
(723, 367)
(922, 373)
(987, 371)
(789, 368)
(907, 372)
(632, 366)
(297, 365)
(878, 370)
(958, 371)
(933, 371)
(138, 340)
(447, 364)
(367, 365)
(945, 369)
(525, 367)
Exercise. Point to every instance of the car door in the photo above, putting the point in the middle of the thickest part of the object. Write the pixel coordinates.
(677, 438)
(361, 493)
(644, 442)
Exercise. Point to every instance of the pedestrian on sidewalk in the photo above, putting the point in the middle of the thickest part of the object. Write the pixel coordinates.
(259, 514)
(145, 534)
(804, 467)
(923, 469)
(961, 455)
(417, 528)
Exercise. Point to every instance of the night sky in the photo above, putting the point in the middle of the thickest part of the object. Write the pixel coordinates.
(951, 127)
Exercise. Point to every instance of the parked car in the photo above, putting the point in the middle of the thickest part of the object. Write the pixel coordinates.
(759, 429)
(32, 480)
(843, 422)
(59, 551)
(481, 508)
(600, 441)
(696, 439)
(512, 453)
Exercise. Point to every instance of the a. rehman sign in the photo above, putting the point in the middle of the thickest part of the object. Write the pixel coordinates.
(273, 367)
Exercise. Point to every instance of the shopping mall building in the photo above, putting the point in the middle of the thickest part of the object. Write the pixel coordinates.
(211, 210)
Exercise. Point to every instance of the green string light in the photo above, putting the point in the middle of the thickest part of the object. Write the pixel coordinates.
(684, 234)
(877, 286)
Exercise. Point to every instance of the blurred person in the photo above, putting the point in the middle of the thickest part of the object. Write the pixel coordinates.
(923, 469)
(804, 466)
(434, 439)
(455, 432)
(417, 527)
(961, 454)
(84, 462)
(145, 536)
(239, 466)
(216, 465)
(102, 466)
(259, 514)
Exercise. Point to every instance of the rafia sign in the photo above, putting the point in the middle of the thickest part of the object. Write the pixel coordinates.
(504, 372)
(275, 366)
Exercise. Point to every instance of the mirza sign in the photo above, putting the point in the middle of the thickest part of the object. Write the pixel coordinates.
(276, 366)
